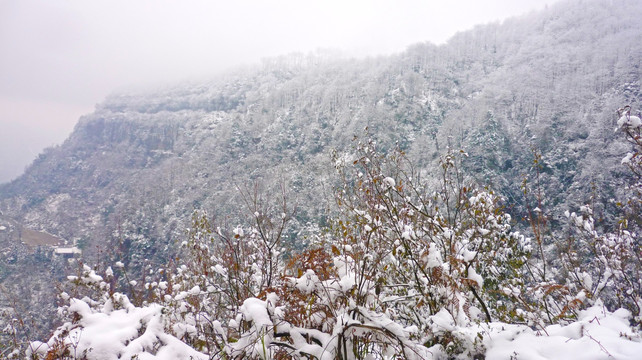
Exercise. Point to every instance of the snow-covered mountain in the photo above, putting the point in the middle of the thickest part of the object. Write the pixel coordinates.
(124, 185)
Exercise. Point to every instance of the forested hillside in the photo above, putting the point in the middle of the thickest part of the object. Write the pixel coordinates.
(531, 102)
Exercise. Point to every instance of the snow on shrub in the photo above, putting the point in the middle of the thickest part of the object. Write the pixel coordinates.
(407, 269)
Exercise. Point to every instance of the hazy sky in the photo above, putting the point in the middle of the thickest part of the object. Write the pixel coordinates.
(58, 58)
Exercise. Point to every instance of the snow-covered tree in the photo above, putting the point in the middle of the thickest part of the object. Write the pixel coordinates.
(607, 265)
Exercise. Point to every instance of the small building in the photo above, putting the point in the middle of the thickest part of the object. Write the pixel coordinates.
(67, 252)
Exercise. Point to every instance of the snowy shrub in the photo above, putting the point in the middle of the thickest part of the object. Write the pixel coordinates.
(631, 126)
(110, 327)
(604, 266)
(573, 269)
(431, 257)
(547, 295)
(608, 265)
(221, 270)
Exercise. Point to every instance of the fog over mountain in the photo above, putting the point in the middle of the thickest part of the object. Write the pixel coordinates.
(543, 86)
(62, 58)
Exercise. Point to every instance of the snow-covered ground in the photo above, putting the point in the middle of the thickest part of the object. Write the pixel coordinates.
(597, 334)
(140, 331)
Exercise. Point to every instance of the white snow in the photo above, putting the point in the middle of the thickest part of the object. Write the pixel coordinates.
(141, 332)
(442, 321)
(627, 159)
(306, 283)
(195, 290)
(347, 282)
(474, 276)
(629, 120)
(238, 231)
(434, 257)
(597, 334)
(468, 255)
(256, 310)
(127, 333)
(389, 181)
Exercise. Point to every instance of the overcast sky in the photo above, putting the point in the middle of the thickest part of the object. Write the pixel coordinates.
(58, 58)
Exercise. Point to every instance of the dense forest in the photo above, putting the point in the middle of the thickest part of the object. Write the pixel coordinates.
(315, 206)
